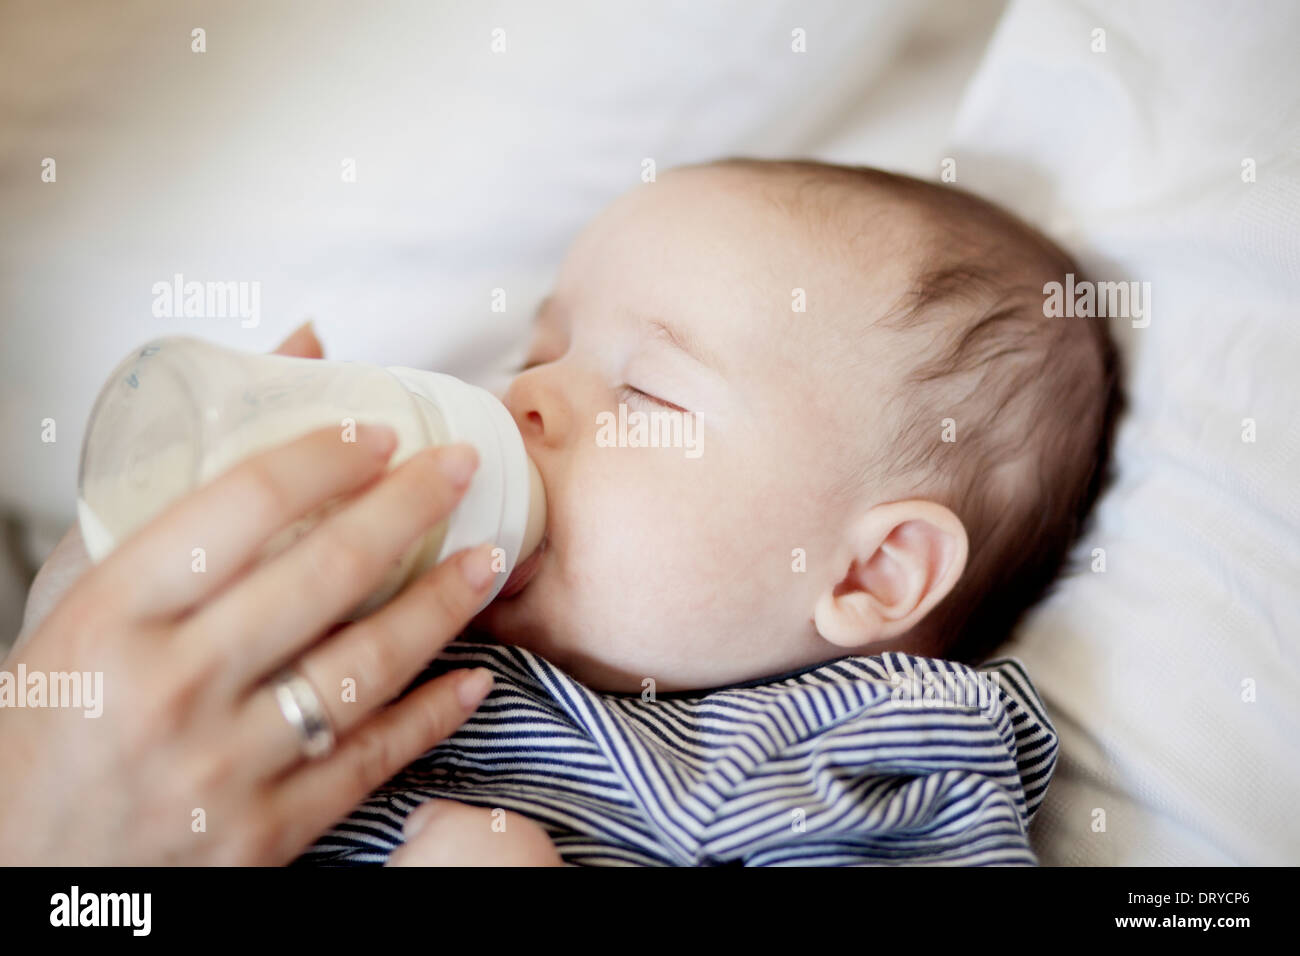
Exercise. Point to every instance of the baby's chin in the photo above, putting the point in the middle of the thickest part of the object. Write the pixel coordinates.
(509, 622)
(520, 621)
(516, 619)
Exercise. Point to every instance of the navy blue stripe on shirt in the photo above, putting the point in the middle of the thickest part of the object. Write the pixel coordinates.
(859, 761)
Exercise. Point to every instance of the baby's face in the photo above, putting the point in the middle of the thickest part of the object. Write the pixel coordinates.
(694, 566)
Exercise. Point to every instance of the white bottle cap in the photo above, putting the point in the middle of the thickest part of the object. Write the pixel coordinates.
(495, 506)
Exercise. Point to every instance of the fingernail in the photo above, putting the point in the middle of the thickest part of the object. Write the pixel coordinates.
(293, 336)
(476, 566)
(381, 439)
(458, 462)
(417, 819)
(473, 687)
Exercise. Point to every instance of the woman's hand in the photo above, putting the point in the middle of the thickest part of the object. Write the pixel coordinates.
(448, 833)
(191, 759)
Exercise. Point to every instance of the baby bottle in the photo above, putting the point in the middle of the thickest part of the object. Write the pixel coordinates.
(179, 411)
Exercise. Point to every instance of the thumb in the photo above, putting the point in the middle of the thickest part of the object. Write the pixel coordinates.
(301, 343)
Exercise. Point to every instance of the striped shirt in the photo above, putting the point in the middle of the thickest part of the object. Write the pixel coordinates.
(861, 760)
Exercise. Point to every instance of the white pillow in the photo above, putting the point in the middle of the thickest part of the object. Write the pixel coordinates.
(474, 169)
(1173, 676)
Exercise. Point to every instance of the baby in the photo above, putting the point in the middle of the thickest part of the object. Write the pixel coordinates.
(722, 656)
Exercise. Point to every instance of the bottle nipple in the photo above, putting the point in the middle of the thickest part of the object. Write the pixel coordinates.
(536, 527)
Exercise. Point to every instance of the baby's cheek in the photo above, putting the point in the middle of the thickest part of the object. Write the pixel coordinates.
(652, 533)
(653, 523)
(766, 538)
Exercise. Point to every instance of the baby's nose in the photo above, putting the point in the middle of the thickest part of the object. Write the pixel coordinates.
(540, 411)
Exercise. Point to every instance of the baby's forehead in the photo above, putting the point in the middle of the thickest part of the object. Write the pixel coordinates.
(740, 253)
(784, 280)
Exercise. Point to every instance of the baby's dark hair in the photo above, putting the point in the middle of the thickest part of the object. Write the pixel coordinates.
(1009, 419)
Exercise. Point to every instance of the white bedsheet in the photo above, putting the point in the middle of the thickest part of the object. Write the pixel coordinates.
(1172, 676)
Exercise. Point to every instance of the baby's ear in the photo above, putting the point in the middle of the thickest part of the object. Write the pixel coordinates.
(903, 558)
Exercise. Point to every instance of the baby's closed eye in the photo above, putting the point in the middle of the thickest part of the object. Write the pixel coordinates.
(633, 396)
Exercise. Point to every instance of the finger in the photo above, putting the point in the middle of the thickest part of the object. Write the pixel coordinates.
(441, 833)
(267, 619)
(61, 570)
(449, 833)
(158, 571)
(302, 343)
(363, 667)
(424, 814)
(380, 656)
(315, 794)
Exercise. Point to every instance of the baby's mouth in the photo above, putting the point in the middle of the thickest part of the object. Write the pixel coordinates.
(523, 572)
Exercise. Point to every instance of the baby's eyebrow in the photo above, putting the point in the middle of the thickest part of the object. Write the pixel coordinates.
(684, 341)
